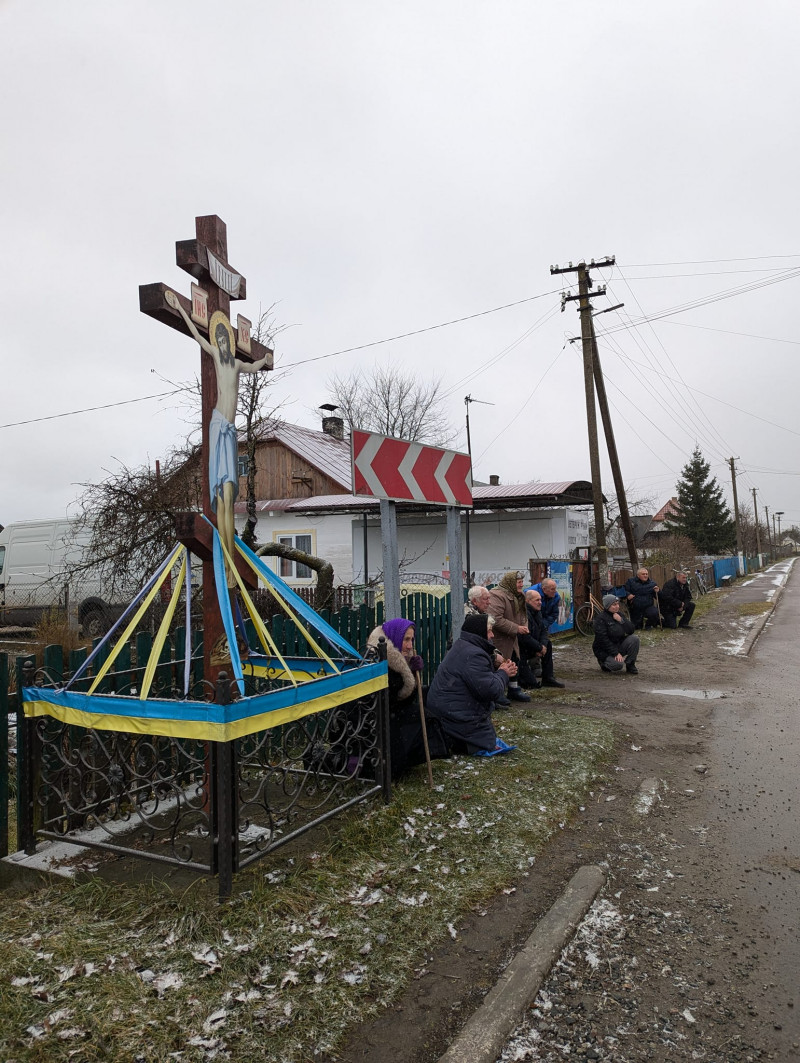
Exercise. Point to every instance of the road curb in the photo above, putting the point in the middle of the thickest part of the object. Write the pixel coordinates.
(504, 1006)
(762, 621)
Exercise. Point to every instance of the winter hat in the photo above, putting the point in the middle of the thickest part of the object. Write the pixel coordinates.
(394, 630)
(608, 600)
(476, 625)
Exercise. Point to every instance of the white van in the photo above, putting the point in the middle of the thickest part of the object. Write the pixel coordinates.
(34, 557)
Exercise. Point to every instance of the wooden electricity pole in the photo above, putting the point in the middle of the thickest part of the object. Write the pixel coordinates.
(758, 533)
(587, 339)
(732, 463)
(613, 456)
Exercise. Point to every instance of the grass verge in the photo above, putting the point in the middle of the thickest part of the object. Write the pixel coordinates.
(313, 942)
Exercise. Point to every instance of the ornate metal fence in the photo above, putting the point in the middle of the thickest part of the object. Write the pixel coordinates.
(211, 807)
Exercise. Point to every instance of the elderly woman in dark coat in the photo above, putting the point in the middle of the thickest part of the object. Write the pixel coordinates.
(406, 744)
(507, 606)
(466, 686)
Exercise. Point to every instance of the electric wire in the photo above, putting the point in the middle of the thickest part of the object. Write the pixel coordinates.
(419, 331)
(518, 414)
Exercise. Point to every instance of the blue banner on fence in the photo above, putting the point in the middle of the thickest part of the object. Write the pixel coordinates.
(561, 572)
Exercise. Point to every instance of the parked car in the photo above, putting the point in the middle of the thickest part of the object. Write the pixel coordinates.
(35, 558)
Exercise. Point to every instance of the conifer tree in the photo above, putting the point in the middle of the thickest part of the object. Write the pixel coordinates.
(703, 513)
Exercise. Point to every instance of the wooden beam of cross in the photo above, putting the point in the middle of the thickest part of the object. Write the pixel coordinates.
(226, 353)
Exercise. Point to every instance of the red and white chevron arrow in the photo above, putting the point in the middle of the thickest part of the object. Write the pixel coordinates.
(409, 472)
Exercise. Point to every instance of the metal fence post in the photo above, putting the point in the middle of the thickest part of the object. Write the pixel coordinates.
(27, 762)
(225, 803)
(4, 765)
(385, 762)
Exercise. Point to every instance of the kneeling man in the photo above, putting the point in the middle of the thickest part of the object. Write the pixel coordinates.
(615, 644)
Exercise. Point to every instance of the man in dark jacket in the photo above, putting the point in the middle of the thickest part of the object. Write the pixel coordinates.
(675, 600)
(536, 645)
(615, 643)
(551, 601)
(466, 686)
(640, 591)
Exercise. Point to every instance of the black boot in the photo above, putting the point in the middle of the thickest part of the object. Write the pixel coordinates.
(516, 694)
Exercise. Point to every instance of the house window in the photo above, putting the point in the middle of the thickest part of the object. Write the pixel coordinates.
(241, 465)
(293, 570)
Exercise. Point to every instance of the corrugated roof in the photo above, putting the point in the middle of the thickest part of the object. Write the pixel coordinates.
(331, 456)
(533, 488)
(514, 496)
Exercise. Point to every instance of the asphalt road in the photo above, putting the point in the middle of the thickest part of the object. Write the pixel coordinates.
(756, 748)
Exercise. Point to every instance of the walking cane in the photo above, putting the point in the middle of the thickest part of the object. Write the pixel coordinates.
(658, 610)
(424, 730)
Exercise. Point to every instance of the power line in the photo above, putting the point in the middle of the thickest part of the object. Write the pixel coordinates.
(419, 331)
(93, 409)
(728, 293)
(706, 261)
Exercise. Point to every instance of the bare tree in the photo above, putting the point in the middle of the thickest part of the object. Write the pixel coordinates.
(131, 513)
(393, 403)
(323, 569)
(130, 516)
(252, 407)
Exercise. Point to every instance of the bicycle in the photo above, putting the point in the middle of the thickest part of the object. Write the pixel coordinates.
(698, 584)
(584, 616)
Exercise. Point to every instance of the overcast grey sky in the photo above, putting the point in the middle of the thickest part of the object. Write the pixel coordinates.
(383, 168)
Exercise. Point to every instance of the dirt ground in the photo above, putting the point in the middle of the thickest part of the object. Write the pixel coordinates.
(675, 963)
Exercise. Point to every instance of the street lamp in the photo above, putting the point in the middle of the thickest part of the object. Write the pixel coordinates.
(467, 400)
(779, 513)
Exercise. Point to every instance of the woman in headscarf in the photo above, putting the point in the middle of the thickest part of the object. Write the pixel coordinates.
(406, 743)
(507, 606)
(466, 687)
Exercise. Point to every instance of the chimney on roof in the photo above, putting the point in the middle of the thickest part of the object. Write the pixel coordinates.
(494, 480)
(332, 426)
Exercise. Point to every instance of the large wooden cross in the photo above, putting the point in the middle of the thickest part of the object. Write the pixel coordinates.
(217, 283)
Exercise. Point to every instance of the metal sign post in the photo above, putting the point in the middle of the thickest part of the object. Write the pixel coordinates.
(399, 470)
(456, 581)
(391, 564)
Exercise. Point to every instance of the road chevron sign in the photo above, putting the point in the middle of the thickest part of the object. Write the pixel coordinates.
(409, 472)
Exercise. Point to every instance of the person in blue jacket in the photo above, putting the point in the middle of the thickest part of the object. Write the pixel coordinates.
(551, 600)
(466, 687)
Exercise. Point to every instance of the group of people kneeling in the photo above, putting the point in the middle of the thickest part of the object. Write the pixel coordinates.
(504, 637)
(616, 646)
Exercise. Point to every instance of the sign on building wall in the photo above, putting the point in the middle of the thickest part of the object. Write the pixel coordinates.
(577, 529)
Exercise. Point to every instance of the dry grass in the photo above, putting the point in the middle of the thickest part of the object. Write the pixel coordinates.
(313, 942)
(754, 608)
(54, 629)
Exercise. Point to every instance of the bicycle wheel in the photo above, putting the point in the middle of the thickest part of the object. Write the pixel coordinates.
(583, 619)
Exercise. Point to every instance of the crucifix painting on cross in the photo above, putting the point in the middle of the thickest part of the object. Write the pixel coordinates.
(223, 477)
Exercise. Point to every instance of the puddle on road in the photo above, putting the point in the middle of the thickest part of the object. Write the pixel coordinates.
(698, 695)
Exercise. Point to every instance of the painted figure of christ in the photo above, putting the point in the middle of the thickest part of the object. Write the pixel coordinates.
(223, 450)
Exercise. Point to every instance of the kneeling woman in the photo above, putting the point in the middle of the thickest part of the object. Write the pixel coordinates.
(466, 686)
(406, 744)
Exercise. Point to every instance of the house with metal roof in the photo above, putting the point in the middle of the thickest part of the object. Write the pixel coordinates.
(304, 487)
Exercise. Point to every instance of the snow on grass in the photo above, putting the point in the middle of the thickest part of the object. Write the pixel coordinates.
(313, 941)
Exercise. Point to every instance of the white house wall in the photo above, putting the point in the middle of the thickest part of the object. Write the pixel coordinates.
(498, 541)
(330, 534)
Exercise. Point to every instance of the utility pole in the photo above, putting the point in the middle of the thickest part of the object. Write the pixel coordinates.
(731, 462)
(778, 514)
(613, 456)
(585, 310)
(758, 533)
(769, 533)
